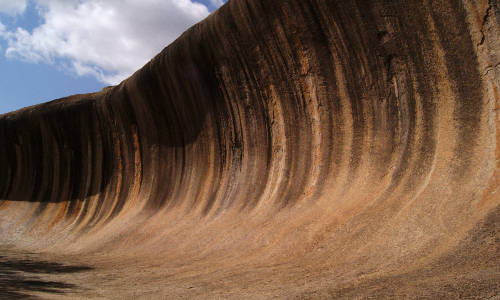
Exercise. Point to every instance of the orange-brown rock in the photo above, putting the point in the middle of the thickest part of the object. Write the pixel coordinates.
(285, 148)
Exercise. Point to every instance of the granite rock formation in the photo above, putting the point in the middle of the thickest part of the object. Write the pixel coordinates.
(289, 148)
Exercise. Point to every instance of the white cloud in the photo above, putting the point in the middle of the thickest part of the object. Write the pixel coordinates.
(108, 39)
(12, 7)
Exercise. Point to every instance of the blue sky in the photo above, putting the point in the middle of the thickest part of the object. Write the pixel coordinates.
(54, 48)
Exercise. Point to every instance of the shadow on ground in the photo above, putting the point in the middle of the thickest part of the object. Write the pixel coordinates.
(20, 277)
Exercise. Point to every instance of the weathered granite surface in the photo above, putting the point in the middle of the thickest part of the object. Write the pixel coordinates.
(285, 148)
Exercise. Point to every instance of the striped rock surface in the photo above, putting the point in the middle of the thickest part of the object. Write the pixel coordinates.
(289, 148)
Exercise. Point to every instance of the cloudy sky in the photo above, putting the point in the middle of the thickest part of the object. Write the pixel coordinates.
(54, 48)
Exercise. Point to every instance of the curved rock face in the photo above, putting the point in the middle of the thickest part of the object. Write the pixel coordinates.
(278, 148)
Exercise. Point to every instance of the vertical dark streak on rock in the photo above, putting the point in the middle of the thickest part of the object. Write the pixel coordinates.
(450, 19)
